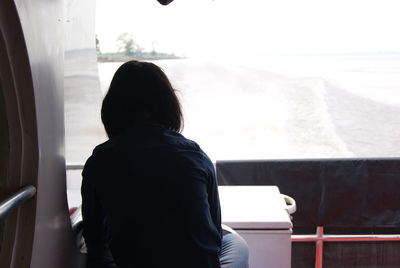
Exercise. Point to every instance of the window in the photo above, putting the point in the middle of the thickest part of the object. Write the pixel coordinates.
(269, 79)
(257, 79)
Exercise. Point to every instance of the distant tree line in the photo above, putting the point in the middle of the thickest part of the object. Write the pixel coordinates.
(128, 48)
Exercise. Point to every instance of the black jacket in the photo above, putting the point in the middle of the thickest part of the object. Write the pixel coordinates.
(150, 199)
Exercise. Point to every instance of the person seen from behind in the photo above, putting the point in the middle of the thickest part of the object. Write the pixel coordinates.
(149, 195)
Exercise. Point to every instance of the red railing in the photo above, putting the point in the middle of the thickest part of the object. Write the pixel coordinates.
(320, 238)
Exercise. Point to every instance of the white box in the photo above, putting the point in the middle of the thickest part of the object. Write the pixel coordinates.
(258, 214)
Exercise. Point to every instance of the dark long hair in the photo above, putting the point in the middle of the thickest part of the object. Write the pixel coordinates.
(140, 91)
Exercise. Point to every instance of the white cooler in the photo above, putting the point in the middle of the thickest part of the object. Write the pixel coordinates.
(260, 214)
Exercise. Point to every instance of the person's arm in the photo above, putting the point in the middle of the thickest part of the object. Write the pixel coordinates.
(94, 228)
(202, 217)
(213, 197)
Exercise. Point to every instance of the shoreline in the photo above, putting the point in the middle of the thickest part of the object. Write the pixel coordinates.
(103, 59)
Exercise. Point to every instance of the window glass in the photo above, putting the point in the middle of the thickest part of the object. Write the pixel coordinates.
(269, 79)
(258, 79)
(82, 94)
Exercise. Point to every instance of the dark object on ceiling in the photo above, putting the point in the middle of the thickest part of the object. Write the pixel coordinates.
(165, 2)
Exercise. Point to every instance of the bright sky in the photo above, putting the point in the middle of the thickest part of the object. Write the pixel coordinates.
(207, 27)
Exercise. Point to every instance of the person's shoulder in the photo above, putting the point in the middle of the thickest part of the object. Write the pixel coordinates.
(104, 147)
(192, 150)
(99, 155)
(181, 141)
(195, 146)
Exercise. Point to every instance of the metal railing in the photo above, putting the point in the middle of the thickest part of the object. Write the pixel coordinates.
(17, 199)
(74, 166)
(320, 238)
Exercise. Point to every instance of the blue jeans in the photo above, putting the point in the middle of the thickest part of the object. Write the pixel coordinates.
(234, 252)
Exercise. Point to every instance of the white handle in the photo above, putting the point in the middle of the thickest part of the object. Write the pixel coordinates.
(227, 230)
(290, 204)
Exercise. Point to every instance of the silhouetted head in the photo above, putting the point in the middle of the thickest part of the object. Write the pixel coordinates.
(140, 91)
